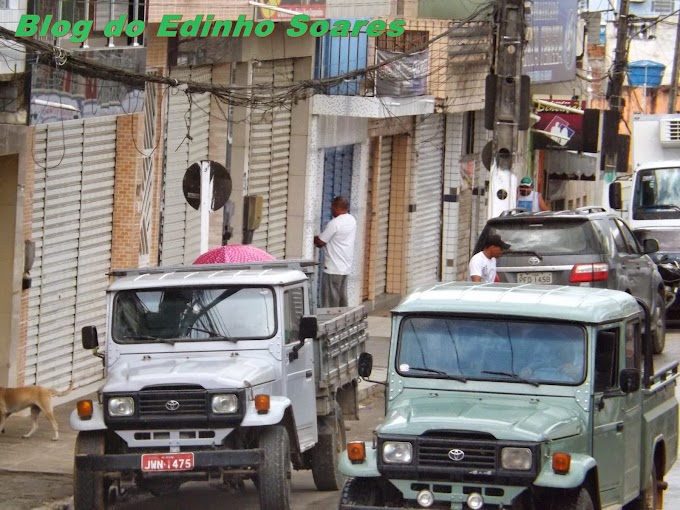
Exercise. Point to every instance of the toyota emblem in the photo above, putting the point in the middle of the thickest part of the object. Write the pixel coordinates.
(456, 454)
(534, 261)
(172, 405)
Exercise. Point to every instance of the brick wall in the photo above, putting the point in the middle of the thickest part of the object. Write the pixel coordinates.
(127, 187)
(397, 245)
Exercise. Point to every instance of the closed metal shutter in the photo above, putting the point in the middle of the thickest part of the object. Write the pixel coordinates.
(188, 127)
(426, 194)
(269, 159)
(72, 222)
(383, 214)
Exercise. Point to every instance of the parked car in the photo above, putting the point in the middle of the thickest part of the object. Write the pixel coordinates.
(587, 247)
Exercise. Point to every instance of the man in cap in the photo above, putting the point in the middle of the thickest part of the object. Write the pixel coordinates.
(482, 266)
(529, 199)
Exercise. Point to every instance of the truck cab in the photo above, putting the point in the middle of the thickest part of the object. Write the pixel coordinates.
(521, 397)
(216, 373)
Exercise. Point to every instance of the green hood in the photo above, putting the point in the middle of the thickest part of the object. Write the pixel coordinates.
(505, 418)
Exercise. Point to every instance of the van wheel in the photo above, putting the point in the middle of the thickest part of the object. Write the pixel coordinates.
(361, 492)
(659, 333)
(325, 454)
(275, 472)
(90, 490)
(578, 499)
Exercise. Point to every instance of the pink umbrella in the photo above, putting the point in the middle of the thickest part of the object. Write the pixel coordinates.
(234, 254)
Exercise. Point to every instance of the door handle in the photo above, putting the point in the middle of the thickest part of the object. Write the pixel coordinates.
(619, 426)
(309, 374)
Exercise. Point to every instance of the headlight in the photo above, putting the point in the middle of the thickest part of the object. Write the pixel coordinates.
(224, 404)
(516, 458)
(397, 453)
(121, 406)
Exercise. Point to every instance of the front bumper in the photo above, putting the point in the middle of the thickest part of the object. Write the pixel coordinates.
(203, 460)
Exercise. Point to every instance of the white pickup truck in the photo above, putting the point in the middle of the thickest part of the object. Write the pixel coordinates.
(217, 373)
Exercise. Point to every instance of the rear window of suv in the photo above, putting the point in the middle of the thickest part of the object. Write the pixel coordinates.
(562, 237)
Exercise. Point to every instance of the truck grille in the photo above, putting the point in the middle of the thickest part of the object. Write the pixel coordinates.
(436, 452)
(175, 402)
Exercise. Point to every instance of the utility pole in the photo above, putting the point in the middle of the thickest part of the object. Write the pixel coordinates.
(611, 128)
(673, 92)
(507, 104)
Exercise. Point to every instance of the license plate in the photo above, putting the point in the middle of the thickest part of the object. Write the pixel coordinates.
(168, 462)
(544, 278)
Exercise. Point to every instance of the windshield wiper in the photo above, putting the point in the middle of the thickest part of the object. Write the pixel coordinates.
(512, 376)
(528, 252)
(440, 372)
(141, 337)
(213, 334)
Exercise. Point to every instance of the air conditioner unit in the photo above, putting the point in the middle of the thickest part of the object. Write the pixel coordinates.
(669, 132)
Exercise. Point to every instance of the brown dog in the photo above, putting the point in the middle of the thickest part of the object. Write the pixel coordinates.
(38, 398)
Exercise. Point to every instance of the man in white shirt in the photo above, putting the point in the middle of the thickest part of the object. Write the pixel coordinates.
(338, 239)
(482, 267)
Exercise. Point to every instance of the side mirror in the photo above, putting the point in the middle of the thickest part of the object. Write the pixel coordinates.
(615, 196)
(309, 327)
(629, 380)
(90, 339)
(650, 245)
(365, 364)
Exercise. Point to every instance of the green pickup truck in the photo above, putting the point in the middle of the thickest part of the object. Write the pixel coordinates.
(522, 397)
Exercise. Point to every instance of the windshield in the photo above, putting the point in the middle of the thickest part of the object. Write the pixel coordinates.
(547, 238)
(483, 349)
(191, 314)
(657, 194)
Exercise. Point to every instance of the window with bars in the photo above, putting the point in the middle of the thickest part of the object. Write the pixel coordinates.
(662, 6)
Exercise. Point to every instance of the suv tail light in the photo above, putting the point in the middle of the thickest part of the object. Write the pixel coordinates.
(589, 273)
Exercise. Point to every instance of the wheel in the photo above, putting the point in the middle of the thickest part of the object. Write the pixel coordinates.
(361, 492)
(659, 333)
(90, 491)
(577, 499)
(274, 474)
(327, 476)
(649, 499)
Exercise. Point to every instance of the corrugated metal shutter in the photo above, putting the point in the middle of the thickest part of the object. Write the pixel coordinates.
(72, 222)
(188, 127)
(426, 194)
(383, 214)
(269, 159)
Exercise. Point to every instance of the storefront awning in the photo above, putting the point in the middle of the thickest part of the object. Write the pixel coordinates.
(567, 165)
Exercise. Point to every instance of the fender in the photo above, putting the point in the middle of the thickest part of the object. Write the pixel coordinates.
(367, 469)
(94, 423)
(580, 465)
(277, 408)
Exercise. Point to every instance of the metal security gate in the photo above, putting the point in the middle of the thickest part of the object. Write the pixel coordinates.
(426, 195)
(188, 127)
(148, 174)
(385, 184)
(269, 158)
(72, 222)
(337, 181)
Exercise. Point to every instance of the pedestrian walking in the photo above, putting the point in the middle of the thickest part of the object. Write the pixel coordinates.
(529, 199)
(338, 241)
(482, 266)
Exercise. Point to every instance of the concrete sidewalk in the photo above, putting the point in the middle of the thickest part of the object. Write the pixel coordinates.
(40, 454)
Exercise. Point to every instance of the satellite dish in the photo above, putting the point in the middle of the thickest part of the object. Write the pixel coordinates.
(221, 188)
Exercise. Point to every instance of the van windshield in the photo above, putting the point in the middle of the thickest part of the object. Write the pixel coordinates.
(182, 314)
(657, 194)
(492, 350)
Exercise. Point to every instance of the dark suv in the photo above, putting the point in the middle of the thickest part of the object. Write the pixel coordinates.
(589, 247)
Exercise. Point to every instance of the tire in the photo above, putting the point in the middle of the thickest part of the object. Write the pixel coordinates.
(274, 474)
(649, 499)
(577, 499)
(90, 491)
(325, 455)
(659, 333)
(361, 492)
